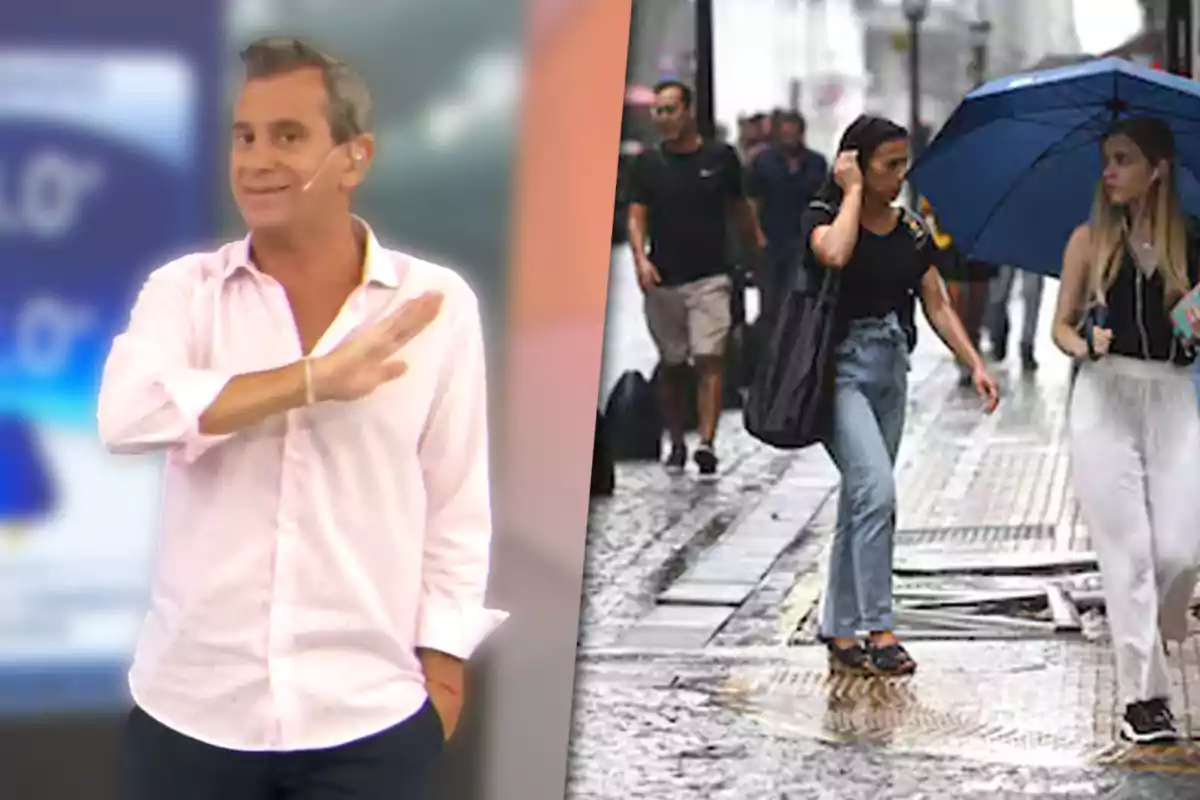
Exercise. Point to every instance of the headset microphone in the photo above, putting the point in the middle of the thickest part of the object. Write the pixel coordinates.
(355, 153)
(317, 172)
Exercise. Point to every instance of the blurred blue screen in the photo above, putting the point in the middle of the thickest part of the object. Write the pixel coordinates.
(107, 126)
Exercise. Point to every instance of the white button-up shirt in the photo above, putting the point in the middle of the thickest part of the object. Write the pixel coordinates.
(303, 561)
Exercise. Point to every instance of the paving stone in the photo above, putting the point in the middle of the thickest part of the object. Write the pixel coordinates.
(653, 517)
(676, 626)
(745, 554)
(700, 593)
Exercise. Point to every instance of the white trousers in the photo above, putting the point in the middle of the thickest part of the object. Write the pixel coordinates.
(1135, 464)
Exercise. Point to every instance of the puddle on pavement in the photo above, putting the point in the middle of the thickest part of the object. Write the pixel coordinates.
(1045, 707)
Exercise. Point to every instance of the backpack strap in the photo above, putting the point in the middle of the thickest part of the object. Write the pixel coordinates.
(916, 227)
(922, 238)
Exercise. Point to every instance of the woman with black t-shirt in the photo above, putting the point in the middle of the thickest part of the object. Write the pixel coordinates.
(1134, 427)
(885, 260)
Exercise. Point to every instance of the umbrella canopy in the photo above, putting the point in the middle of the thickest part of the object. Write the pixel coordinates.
(1014, 169)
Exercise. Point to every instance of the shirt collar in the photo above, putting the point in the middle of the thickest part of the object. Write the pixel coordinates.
(378, 267)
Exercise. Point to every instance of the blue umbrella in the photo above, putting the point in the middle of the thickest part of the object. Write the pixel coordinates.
(1013, 171)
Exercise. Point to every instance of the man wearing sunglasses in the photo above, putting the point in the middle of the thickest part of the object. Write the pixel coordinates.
(684, 193)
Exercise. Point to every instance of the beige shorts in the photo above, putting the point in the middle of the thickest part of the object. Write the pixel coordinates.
(691, 320)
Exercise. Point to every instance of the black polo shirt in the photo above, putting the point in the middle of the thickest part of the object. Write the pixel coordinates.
(687, 197)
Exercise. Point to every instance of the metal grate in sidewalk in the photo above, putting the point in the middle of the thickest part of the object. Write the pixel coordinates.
(973, 536)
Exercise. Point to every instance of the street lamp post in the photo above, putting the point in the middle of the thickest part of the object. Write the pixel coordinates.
(1179, 37)
(705, 104)
(915, 11)
(980, 30)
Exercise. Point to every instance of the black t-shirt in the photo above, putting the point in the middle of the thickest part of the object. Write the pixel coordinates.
(687, 198)
(883, 275)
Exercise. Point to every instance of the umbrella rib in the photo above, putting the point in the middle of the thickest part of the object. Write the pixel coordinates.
(1139, 107)
(1013, 187)
(1099, 99)
(1018, 116)
(931, 156)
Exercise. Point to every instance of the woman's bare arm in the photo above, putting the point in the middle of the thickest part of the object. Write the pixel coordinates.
(834, 244)
(1072, 294)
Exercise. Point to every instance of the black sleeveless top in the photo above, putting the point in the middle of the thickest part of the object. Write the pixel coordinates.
(1139, 317)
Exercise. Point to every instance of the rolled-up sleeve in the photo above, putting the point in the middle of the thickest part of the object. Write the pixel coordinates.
(151, 394)
(454, 460)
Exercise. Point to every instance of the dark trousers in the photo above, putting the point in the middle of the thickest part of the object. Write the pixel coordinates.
(160, 764)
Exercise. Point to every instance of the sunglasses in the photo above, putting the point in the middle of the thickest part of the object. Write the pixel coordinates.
(663, 111)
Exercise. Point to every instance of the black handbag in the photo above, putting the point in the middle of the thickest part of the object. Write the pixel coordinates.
(790, 402)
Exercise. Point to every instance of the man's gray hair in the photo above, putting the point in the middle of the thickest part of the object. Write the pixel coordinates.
(349, 109)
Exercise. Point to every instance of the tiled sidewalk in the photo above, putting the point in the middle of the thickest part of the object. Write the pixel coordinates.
(738, 713)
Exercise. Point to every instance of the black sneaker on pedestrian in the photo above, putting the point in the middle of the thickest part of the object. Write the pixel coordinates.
(677, 459)
(706, 459)
(891, 660)
(999, 352)
(1028, 362)
(1149, 722)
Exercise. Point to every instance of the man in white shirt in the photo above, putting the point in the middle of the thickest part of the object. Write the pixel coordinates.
(321, 403)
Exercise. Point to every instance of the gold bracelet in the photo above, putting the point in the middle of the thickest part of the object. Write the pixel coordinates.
(309, 393)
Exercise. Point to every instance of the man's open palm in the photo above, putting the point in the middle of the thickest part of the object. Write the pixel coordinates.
(368, 359)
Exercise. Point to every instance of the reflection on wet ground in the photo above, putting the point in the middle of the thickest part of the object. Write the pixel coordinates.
(741, 723)
(1044, 702)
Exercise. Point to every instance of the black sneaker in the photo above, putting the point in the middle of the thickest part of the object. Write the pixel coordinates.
(706, 459)
(677, 460)
(1149, 722)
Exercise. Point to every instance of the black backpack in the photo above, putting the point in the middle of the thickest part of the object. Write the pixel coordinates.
(632, 419)
(603, 470)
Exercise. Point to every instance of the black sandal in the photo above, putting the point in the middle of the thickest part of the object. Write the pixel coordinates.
(852, 660)
(891, 659)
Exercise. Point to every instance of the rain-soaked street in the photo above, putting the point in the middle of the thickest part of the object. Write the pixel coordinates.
(698, 672)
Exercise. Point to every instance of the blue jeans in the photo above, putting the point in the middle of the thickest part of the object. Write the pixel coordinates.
(868, 421)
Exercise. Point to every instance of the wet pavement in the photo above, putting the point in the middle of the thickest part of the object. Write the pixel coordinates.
(681, 726)
(698, 674)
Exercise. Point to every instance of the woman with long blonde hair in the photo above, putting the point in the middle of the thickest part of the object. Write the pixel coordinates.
(1134, 425)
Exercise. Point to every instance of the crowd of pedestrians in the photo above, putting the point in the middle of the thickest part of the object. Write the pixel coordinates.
(1134, 421)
